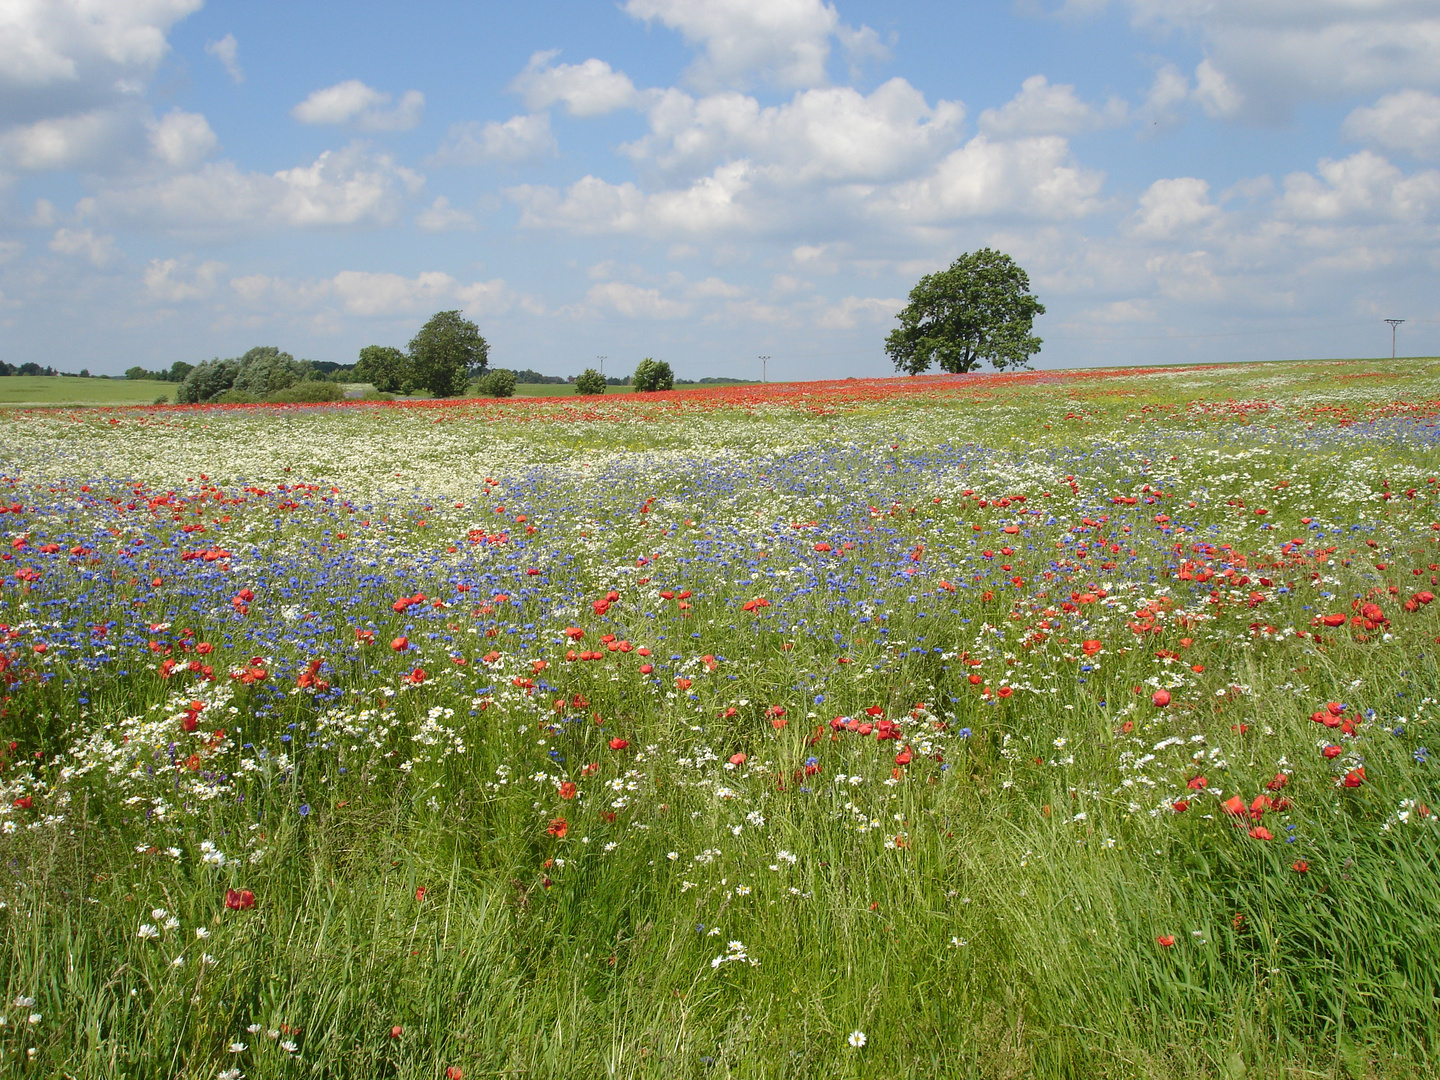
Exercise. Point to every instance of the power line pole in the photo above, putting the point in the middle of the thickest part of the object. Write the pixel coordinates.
(764, 366)
(602, 360)
(1393, 324)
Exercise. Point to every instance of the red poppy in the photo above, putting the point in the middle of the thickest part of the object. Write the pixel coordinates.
(904, 757)
(1279, 782)
(416, 677)
(558, 828)
(1300, 866)
(1180, 806)
(1235, 806)
(24, 802)
(1355, 777)
(1165, 940)
(1259, 832)
(1198, 783)
(1005, 691)
(396, 1031)
(567, 790)
(1332, 751)
(239, 899)
(400, 644)
(420, 892)
(1090, 646)
(454, 1072)
(1160, 698)
(618, 743)
(737, 759)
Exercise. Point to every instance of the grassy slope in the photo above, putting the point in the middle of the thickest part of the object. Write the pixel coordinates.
(996, 918)
(59, 390)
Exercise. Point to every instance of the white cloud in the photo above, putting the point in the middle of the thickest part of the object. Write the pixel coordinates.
(10, 250)
(49, 42)
(352, 102)
(834, 134)
(635, 301)
(181, 139)
(172, 281)
(372, 295)
(1169, 90)
(849, 312)
(591, 88)
(227, 51)
(1028, 177)
(712, 287)
(1265, 56)
(1172, 206)
(592, 205)
(99, 251)
(1408, 121)
(440, 217)
(1044, 109)
(520, 139)
(65, 142)
(1361, 187)
(345, 187)
(785, 42)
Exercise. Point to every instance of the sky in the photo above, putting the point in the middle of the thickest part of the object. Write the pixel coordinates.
(712, 181)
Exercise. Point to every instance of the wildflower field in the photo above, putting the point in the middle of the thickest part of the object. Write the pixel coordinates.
(1053, 724)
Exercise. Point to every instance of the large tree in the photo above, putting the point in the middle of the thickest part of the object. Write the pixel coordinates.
(386, 368)
(651, 375)
(979, 309)
(447, 353)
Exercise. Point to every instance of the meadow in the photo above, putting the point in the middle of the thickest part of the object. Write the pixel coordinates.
(71, 390)
(1047, 724)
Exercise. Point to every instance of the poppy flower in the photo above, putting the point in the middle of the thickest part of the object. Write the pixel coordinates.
(558, 828)
(396, 1031)
(904, 757)
(1235, 806)
(737, 759)
(454, 1072)
(400, 644)
(1198, 783)
(1180, 806)
(239, 899)
(1332, 751)
(1279, 782)
(1165, 941)
(1160, 698)
(1259, 832)
(1355, 777)
(1091, 646)
(567, 790)
(618, 743)
(1300, 866)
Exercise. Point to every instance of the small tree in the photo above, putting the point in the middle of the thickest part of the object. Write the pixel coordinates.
(207, 380)
(447, 353)
(385, 368)
(651, 375)
(265, 370)
(136, 372)
(590, 381)
(497, 383)
(978, 309)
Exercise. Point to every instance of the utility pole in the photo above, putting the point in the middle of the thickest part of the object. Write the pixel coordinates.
(764, 366)
(602, 360)
(1393, 324)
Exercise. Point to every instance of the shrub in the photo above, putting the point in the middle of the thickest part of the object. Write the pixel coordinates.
(233, 397)
(590, 381)
(376, 395)
(497, 383)
(651, 375)
(310, 391)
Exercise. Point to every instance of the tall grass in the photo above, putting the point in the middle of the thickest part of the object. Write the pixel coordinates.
(1005, 911)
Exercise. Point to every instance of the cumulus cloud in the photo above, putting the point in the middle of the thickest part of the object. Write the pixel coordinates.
(66, 142)
(347, 187)
(1265, 56)
(373, 295)
(182, 139)
(44, 43)
(175, 281)
(520, 139)
(591, 88)
(1363, 187)
(1045, 109)
(98, 250)
(834, 134)
(1169, 207)
(1161, 108)
(592, 205)
(1033, 177)
(1408, 121)
(848, 313)
(352, 102)
(227, 51)
(784, 42)
(634, 301)
(441, 217)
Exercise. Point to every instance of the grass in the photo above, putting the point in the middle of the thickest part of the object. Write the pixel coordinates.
(497, 822)
(63, 390)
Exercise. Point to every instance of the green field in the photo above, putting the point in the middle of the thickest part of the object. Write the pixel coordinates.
(1057, 724)
(67, 390)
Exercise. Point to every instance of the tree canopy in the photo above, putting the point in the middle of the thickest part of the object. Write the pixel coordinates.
(447, 353)
(590, 381)
(651, 374)
(384, 367)
(979, 309)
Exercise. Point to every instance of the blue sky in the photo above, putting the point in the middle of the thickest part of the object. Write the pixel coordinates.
(706, 181)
